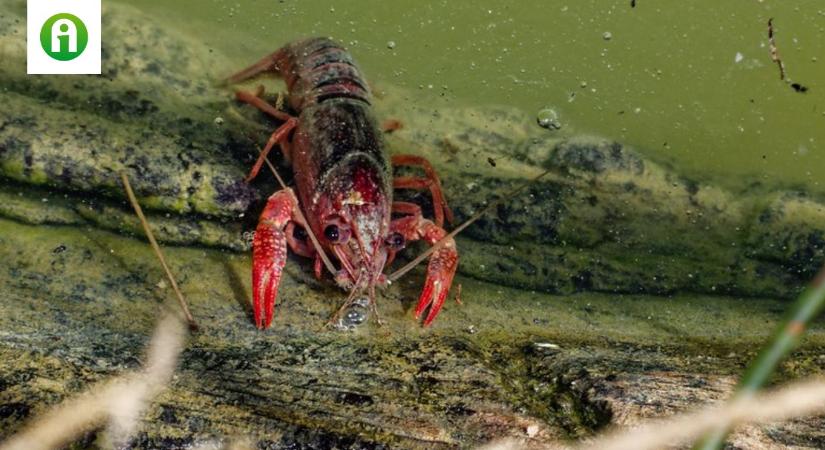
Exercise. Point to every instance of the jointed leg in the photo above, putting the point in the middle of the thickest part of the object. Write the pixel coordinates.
(430, 181)
(255, 100)
(406, 208)
(278, 137)
(266, 64)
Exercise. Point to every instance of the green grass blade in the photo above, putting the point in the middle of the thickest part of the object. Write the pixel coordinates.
(786, 338)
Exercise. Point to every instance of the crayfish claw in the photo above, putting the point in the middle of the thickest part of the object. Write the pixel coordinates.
(269, 255)
(440, 273)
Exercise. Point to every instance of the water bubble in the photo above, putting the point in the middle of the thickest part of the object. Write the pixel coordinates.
(607, 35)
(356, 314)
(548, 118)
(247, 237)
(354, 317)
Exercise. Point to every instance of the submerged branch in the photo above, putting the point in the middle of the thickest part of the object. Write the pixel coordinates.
(132, 199)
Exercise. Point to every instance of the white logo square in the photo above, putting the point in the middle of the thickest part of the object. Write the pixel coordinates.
(63, 37)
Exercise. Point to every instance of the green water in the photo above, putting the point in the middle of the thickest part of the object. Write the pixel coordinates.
(666, 81)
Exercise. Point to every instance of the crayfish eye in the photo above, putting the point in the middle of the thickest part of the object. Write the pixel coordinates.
(300, 234)
(337, 230)
(332, 233)
(395, 241)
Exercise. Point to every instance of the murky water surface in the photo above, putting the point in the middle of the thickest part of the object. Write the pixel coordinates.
(689, 82)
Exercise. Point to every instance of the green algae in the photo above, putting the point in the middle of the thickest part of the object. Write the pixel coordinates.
(481, 371)
(151, 115)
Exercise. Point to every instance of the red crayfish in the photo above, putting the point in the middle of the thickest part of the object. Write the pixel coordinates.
(344, 183)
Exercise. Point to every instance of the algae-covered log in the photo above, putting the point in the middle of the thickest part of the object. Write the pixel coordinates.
(606, 218)
(79, 304)
(151, 114)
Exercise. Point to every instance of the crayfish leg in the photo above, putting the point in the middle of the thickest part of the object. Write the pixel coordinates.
(280, 135)
(267, 64)
(254, 99)
(429, 181)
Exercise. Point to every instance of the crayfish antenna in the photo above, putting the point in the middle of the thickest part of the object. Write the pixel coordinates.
(302, 219)
(374, 306)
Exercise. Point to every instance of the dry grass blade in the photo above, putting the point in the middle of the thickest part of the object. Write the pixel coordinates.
(75, 416)
(132, 199)
(800, 399)
(797, 400)
(127, 407)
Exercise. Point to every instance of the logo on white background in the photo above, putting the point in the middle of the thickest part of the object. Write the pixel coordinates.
(63, 36)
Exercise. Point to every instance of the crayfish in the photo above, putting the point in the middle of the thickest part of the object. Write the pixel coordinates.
(344, 184)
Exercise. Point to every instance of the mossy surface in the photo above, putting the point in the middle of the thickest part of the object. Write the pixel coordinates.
(79, 303)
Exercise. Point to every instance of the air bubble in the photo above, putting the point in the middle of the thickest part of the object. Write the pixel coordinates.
(356, 314)
(548, 118)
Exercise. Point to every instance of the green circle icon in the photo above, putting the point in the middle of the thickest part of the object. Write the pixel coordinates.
(64, 37)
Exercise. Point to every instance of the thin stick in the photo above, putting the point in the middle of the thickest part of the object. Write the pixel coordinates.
(303, 219)
(774, 51)
(191, 320)
(409, 266)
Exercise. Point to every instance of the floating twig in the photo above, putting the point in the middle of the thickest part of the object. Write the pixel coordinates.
(133, 200)
(774, 51)
(775, 58)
